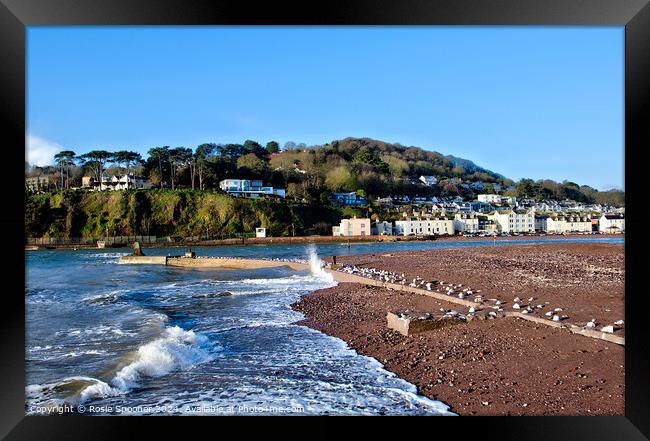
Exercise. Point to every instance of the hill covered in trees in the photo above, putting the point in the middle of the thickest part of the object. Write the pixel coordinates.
(310, 173)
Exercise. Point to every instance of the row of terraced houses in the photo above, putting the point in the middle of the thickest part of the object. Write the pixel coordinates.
(498, 222)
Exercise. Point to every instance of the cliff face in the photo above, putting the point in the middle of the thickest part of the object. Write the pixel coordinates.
(166, 213)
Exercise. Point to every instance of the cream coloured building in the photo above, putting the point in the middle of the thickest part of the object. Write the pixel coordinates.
(611, 223)
(353, 227)
(554, 224)
(424, 227)
(465, 223)
(577, 224)
(510, 221)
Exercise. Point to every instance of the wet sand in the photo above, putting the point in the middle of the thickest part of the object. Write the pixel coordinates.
(504, 366)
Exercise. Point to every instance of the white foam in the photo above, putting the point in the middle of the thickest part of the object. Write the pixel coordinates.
(316, 265)
(176, 349)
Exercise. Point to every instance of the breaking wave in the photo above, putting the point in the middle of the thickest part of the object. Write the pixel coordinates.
(177, 349)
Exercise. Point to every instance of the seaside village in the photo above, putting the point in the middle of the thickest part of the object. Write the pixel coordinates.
(491, 215)
(488, 215)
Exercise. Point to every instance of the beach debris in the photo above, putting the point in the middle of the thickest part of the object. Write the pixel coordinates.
(408, 324)
(609, 329)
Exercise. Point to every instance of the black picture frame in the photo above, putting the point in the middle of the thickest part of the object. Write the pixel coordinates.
(15, 15)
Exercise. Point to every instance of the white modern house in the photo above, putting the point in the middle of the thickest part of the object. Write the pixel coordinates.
(611, 223)
(428, 180)
(251, 188)
(424, 227)
(511, 221)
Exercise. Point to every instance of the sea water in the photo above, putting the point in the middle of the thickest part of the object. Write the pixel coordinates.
(109, 339)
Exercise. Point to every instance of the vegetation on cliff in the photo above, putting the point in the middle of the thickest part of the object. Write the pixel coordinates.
(170, 213)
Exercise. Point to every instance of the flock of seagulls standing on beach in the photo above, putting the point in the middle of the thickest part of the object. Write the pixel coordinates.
(457, 290)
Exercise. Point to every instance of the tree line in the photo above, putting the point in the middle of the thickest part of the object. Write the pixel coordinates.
(311, 173)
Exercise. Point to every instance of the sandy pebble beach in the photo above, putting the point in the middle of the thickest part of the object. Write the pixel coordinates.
(504, 366)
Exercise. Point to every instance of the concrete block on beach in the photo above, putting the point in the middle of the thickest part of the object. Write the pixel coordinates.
(410, 323)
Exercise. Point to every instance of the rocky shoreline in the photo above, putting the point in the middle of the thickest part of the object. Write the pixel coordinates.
(504, 366)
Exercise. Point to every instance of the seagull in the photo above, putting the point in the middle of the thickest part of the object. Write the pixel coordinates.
(556, 318)
(619, 322)
(516, 306)
(548, 314)
(517, 300)
(557, 310)
(472, 310)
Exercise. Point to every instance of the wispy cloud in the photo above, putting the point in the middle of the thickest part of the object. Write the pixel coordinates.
(41, 151)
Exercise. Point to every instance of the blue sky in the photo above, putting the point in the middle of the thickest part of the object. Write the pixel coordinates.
(537, 102)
